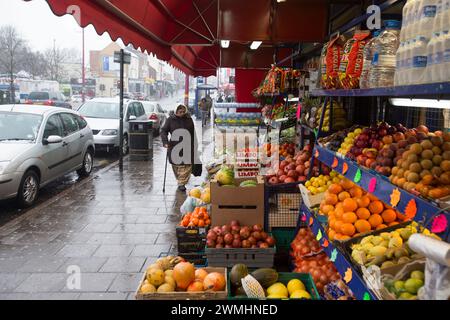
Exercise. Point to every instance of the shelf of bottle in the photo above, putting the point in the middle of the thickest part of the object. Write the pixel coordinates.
(344, 267)
(426, 209)
(430, 89)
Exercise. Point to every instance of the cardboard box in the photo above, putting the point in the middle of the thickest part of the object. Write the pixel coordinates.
(309, 199)
(245, 204)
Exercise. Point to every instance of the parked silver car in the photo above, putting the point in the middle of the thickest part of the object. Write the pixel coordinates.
(39, 144)
(156, 114)
(103, 116)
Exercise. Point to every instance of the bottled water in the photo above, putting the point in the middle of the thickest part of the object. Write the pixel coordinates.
(431, 59)
(438, 22)
(419, 60)
(427, 15)
(382, 71)
(404, 33)
(438, 75)
(414, 19)
(399, 70)
(407, 62)
(367, 61)
(445, 76)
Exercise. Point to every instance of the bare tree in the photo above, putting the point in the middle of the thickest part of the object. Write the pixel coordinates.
(55, 57)
(34, 63)
(11, 45)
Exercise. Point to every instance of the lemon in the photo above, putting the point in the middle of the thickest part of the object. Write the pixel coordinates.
(294, 285)
(308, 184)
(322, 189)
(300, 294)
(278, 289)
(275, 296)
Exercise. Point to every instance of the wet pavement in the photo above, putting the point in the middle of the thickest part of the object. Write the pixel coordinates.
(101, 233)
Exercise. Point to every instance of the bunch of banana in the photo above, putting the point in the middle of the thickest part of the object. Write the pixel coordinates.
(339, 120)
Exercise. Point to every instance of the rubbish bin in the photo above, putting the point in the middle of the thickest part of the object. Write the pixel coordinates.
(141, 140)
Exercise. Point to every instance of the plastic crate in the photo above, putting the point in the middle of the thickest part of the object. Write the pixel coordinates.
(252, 257)
(198, 259)
(284, 210)
(283, 277)
(191, 239)
(284, 237)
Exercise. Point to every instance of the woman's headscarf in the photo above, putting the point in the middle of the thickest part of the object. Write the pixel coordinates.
(180, 107)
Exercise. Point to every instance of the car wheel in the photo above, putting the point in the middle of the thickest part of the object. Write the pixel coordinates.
(28, 189)
(125, 146)
(88, 164)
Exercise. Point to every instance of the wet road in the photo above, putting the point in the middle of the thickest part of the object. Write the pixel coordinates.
(9, 210)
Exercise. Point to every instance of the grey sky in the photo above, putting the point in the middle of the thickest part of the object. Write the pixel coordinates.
(39, 26)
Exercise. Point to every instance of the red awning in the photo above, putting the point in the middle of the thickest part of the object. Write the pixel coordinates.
(186, 33)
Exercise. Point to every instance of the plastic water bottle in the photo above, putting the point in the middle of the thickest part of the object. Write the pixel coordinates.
(445, 76)
(399, 69)
(406, 20)
(367, 61)
(427, 14)
(386, 45)
(414, 19)
(438, 75)
(438, 23)
(407, 61)
(419, 60)
(431, 59)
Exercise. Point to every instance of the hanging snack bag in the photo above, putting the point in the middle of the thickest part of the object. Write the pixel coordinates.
(352, 60)
(331, 58)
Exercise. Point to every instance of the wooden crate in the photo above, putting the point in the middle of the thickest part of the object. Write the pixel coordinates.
(205, 295)
(309, 199)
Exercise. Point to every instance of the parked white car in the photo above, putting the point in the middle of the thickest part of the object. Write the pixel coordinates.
(103, 116)
(38, 145)
(156, 114)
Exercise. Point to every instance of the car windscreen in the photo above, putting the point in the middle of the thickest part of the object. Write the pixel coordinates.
(38, 96)
(102, 110)
(149, 108)
(19, 126)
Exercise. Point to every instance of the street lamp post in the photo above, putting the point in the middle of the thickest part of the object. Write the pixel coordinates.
(83, 73)
(122, 58)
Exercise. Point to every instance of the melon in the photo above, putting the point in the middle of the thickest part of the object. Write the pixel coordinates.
(184, 274)
(225, 176)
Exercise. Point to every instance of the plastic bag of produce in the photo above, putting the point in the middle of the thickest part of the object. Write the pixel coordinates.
(188, 205)
(351, 63)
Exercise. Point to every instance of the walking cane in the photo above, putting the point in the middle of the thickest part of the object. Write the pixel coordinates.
(165, 172)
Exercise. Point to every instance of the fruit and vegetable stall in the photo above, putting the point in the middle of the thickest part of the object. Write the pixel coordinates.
(341, 191)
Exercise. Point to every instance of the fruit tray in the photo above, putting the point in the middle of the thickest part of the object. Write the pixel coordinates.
(347, 244)
(283, 277)
(180, 295)
(252, 257)
(309, 199)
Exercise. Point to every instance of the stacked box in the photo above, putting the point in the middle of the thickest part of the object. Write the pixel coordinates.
(191, 242)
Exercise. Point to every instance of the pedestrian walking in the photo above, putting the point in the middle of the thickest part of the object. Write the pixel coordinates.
(203, 106)
(182, 145)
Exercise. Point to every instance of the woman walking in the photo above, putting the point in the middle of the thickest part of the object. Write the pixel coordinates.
(182, 146)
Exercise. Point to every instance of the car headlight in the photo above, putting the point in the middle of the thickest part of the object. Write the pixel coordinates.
(3, 165)
(110, 132)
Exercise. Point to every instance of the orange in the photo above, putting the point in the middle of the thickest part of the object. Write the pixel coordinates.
(363, 213)
(338, 205)
(356, 192)
(346, 184)
(327, 208)
(389, 216)
(201, 223)
(331, 199)
(349, 205)
(363, 202)
(331, 222)
(337, 225)
(331, 234)
(195, 221)
(375, 220)
(348, 229)
(343, 195)
(363, 226)
(345, 237)
(381, 226)
(334, 188)
(376, 207)
(392, 223)
(339, 213)
(372, 197)
(331, 214)
(338, 236)
(349, 217)
(208, 222)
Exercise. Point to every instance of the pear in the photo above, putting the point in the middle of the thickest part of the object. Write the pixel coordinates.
(395, 242)
(377, 240)
(405, 234)
(402, 260)
(378, 251)
(367, 239)
(378, 260)
(401, 252)
(390, 253)
(385, 235)
(387, 264)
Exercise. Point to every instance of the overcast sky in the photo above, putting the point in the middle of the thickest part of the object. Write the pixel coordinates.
(39, 26)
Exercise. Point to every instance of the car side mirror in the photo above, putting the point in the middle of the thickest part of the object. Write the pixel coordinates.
(132, 118)
(52, 140)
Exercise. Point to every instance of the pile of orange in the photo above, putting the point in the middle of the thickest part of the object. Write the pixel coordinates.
(197, 218)
(352, 211)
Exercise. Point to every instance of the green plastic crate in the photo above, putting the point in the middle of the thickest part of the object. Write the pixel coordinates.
(283, 277)
(284, 237)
